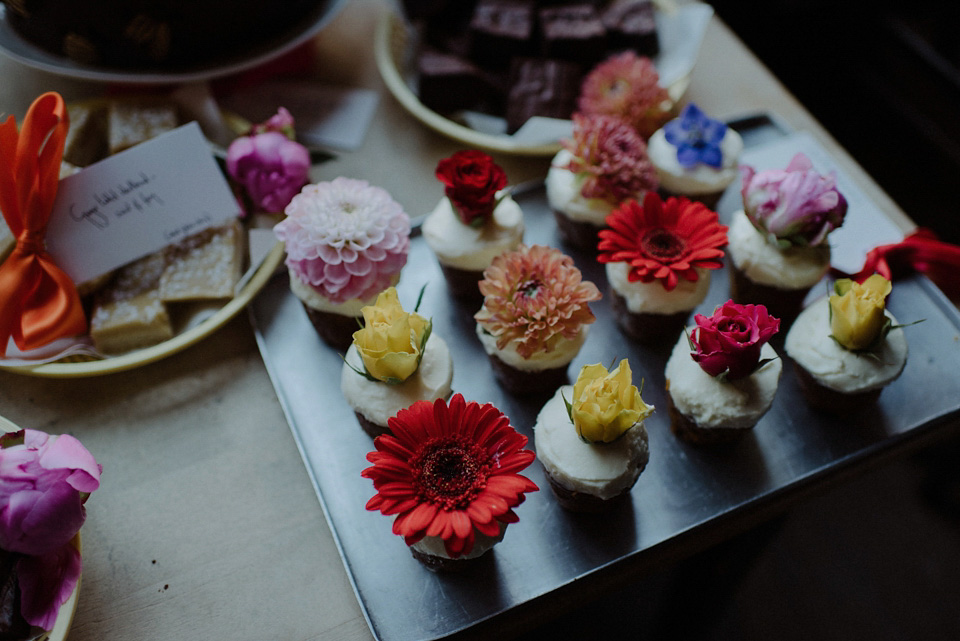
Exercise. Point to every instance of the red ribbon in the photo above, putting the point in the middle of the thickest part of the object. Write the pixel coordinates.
(921, 252)
(38, 301)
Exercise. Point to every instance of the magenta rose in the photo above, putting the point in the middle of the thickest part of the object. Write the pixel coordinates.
(729, 342)
(472, 181)
(270, 167)
(44, 482)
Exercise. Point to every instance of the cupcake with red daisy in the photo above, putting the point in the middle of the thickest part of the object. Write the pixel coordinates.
(394, 361)
(450, 474)
(475, 221)
(591, 440)
(658, 258)
(722, 377)
(603, 164)
(346, 242)
(535, 317)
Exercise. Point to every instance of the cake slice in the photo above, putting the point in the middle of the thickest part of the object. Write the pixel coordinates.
(206, 265)
(86, 140)
(133, 122)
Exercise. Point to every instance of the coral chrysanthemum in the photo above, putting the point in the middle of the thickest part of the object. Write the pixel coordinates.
(626, 86)
(345, 238)
(613, 156)
(449, 471)
(536, 296)
(663, 241)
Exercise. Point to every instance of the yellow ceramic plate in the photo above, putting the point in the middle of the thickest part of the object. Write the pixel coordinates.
(391, 51)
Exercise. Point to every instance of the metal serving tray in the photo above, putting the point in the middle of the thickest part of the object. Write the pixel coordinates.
(687, 499)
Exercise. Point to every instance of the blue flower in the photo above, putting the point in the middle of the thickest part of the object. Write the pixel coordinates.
(696, 137)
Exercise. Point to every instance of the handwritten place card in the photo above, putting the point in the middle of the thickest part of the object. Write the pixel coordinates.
(136, 202)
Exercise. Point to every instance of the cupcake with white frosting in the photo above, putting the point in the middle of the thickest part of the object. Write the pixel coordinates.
(846, 348)
(535, 317)
(695, 156)
(778, 242)
(723, 377)
(473, 223)
(603, 165)
(346, 242)
(591, 440)
(394, 361)
(658, 257)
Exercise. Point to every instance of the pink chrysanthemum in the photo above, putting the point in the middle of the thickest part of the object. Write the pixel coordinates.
(614, 157)
(345, 238)
(626, 86)
(536, 296)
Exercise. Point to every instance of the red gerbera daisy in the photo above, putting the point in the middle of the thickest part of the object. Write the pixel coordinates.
(663, 241)
(449, 471)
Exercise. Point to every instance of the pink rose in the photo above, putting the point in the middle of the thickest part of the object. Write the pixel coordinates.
(43, 484)
(729, 341)
(270, 167)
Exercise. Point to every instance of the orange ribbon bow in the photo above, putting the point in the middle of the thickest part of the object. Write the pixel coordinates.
(38, 301)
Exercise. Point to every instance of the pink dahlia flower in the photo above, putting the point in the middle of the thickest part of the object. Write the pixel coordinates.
(626, 86)
(345, 238)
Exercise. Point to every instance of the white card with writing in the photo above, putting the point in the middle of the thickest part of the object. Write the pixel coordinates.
(136, 202)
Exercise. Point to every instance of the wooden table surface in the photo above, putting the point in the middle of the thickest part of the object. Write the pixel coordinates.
(206, 524)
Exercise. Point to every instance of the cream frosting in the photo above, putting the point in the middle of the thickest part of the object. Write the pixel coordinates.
(563, 352)
(377, 401)
(701, 179)
(602, 470)
(563, 194)
(711, 403)
(316, 300)
(653, 297)
(433, 545)
(765, 263)
(809, 344)
(473, 248)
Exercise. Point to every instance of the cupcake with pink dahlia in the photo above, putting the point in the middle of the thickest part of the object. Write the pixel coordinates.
(604, 164)
(346, 242)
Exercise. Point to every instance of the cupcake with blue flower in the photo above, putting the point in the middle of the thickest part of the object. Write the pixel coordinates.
(695, 156)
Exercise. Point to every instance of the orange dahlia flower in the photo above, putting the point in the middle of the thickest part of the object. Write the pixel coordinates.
(627, 86)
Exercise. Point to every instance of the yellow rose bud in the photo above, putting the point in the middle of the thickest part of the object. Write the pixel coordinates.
(391, 340)
(606, 404)
(857, 311)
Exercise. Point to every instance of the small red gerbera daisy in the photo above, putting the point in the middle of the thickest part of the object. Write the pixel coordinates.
(449, 471)
(663, 241)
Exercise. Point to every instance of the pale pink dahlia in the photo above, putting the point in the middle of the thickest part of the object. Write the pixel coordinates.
(345, 238)
(613, 156)
(536, 296)
(626, 86)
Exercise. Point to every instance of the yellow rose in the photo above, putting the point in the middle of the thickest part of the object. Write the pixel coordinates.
(856, 311)
(391, 341)
(606, 404)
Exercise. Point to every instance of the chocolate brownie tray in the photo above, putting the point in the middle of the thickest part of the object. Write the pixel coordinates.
(687, 499)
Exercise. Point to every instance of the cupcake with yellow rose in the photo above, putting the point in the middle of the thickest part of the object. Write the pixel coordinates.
(591, 440)
(394, 361)
(847, 347)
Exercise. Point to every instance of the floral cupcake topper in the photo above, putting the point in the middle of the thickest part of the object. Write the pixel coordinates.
(472, 181)
(696, 137)
(392, 341)
(663, 241)
(795, 206)
(534, 296)
(606, 404)
(611, 158)
(727, 344)
(626, 86)
(449, 471)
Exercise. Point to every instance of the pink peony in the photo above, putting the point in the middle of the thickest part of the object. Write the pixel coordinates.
(729, 342)
(282, 121)
(345, 238)
(43, 484)
(270, 167)
(796, 205)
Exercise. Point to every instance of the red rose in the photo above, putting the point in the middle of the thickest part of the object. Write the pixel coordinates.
(472, 181)
(730, 340)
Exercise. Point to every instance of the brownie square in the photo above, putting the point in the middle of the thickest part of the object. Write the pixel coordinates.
(450, 83)
(573, 32)
(541, 87)
(631, 24)
(501, 30)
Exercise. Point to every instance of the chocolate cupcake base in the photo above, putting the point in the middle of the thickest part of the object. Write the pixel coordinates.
(463, 284)
(336, 330)
(646, 328)
(831, 401)
(581, 501)
(525, 382)
(436, 563)
(371, 428)
(687, 429)
(785, 304)
(581, 235)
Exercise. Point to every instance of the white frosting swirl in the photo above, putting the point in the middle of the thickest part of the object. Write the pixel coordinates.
(767, 264)
(653, 297)
(700, 179)
(563, 194)
(563, 352)
(603, 470)
(808, 343)
(715, 404)
(473, 248)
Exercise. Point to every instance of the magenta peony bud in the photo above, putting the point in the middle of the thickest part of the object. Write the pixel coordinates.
(270, 167)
